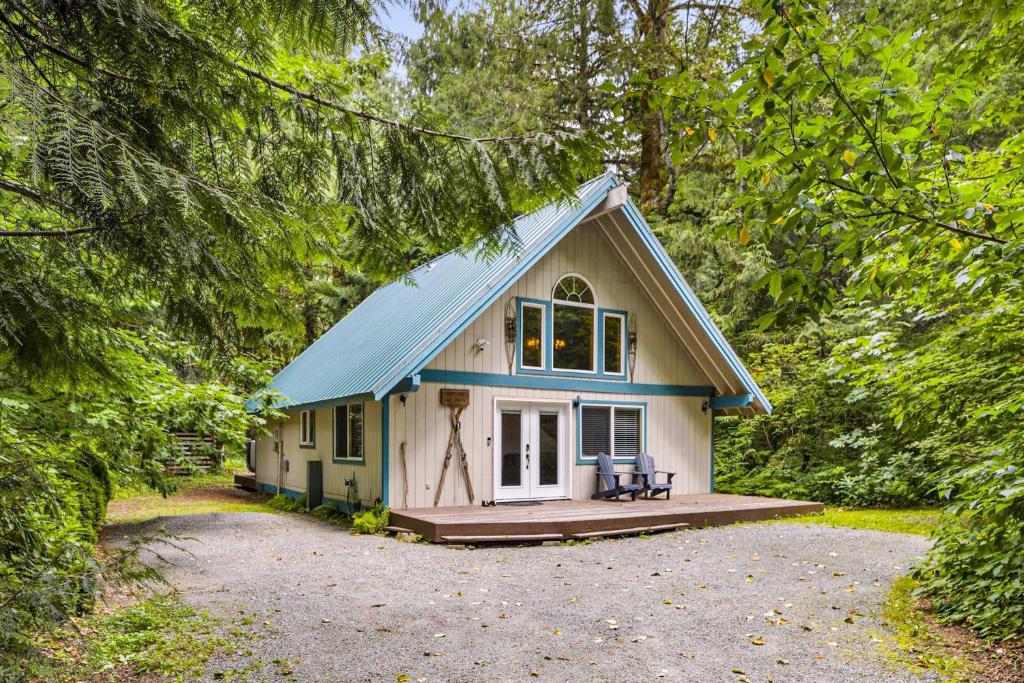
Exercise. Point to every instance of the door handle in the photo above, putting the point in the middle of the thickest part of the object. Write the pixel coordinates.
(527, 456)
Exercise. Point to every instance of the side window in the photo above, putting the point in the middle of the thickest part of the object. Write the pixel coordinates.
(614, 333)
(532, 351)
(307, 428)
(348, 432)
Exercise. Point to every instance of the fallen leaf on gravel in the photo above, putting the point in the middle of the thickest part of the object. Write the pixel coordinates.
(806, 627)
(402, 678)
(666, 601)
(558, 631)
(849, 619)
(783, 662)
(738, 671)
(439, 635)
(833, 643)
(757, 641)
(535, 674)
(325, 621)
(838, 573)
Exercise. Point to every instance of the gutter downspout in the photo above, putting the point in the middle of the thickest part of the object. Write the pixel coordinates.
(280, 457)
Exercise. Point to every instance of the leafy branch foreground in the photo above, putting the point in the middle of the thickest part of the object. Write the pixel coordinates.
(159, 635)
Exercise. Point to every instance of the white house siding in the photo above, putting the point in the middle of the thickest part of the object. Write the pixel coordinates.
(661, 357)
(367, 474)
(678, 436)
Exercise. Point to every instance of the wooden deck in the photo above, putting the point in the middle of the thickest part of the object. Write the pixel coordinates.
(567, 519)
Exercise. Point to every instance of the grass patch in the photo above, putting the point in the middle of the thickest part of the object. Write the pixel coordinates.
(159, 636)
(914, 642)
(223, 477)
(919, 521)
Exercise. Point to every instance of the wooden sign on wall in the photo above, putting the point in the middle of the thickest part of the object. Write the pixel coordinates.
(455, 398)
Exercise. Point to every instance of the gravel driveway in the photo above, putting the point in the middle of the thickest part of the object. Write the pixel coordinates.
(782, 602)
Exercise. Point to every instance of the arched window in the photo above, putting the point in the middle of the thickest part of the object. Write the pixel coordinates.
(573, 324)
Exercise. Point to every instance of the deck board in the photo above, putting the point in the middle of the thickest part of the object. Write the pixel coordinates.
(569, 518)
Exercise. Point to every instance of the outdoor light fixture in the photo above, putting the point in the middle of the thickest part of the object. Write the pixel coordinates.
(704, 407)
(510, 333)
(481, 344)
(631, 345)
(576, 402)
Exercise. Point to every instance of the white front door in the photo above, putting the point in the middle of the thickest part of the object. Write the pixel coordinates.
(531, 451)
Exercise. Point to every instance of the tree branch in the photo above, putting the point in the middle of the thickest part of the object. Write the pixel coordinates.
(367, 116)
(964, 232)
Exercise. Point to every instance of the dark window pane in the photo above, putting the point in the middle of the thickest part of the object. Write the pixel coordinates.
(355, 422)
(511, 448)
(341, 431)
(627, 432)
(613, 344)
(595, 427)
(548, 455)
(533, 327)
(573, 338)
(572, 288)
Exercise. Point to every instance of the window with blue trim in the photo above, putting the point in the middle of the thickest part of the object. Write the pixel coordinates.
(573, 323)
(532, 353)
(613, 342)
(348, 432)
(612, 429)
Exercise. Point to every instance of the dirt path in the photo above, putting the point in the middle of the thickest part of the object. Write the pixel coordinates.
(784, 602)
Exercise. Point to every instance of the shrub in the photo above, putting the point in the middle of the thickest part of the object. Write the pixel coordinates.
(975, 572)
(371, 521)
(283, 502)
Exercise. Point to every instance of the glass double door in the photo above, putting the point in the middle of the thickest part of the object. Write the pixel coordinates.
(531, 451)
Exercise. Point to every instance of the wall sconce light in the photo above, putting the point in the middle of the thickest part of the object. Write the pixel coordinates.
(631, 344)
(481, 344)
(704, 407)
(403, 398)
(510, 333)
(576, 402)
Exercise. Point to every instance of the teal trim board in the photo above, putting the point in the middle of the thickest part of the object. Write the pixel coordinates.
(562, 383)
(385, 445)
(737, 401)
(288, 493)
(578, 410)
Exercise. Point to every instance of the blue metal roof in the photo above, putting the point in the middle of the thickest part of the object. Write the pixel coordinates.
(396, 331)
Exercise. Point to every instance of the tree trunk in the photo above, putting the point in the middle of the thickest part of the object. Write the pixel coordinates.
(653, 29)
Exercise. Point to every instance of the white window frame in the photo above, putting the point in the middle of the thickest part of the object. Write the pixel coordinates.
(348, 434)
(622, 343)
(611, 428)
(307, 428)
(595, 342)
(543, 337)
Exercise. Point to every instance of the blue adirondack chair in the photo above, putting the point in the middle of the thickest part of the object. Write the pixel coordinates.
(608, 481)
(648, 477)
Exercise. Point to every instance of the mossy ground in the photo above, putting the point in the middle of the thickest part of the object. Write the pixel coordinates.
(919, 521)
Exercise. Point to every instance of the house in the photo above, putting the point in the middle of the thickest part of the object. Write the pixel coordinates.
(586, 339)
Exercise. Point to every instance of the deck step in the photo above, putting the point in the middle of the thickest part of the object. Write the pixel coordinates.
(502, 538)
(629, 532)
(398, 530)
(245, 481)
